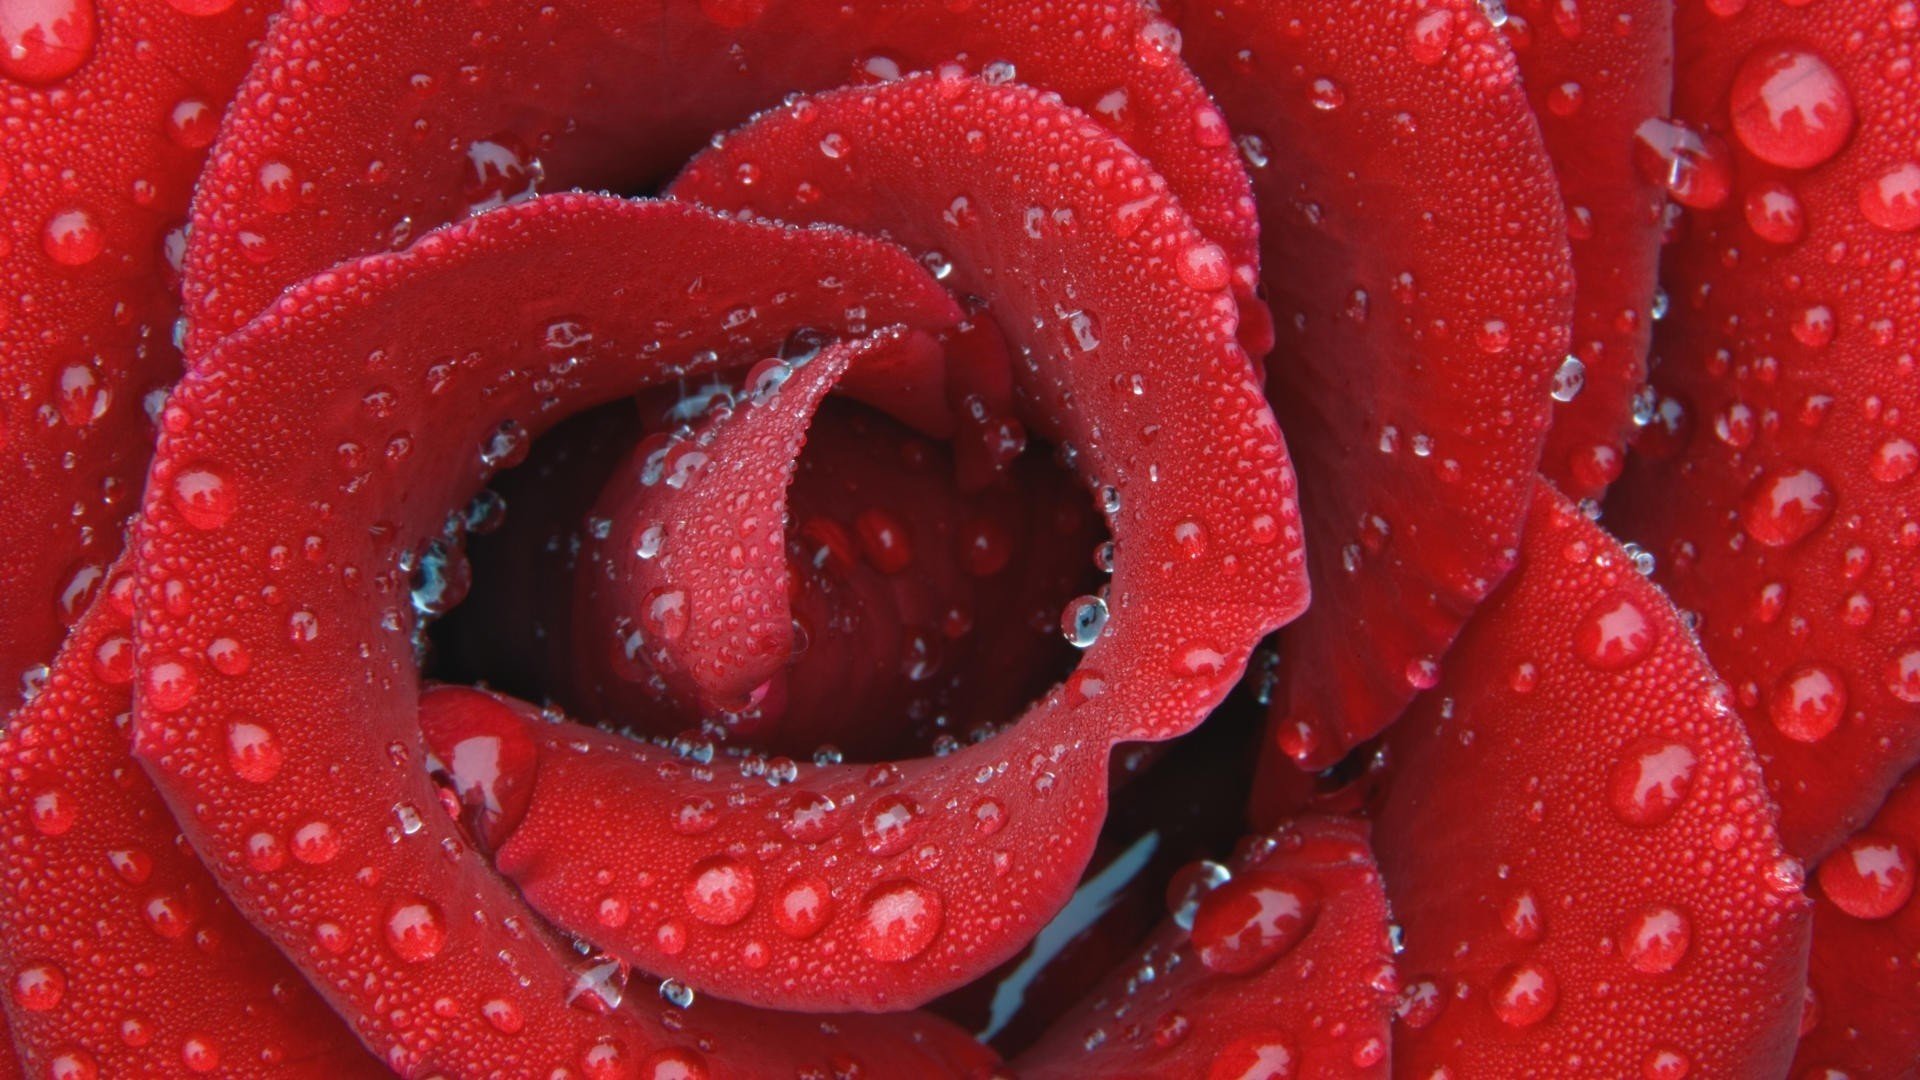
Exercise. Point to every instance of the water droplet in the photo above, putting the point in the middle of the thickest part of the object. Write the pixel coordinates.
(676, 993)
(1903, 675)
(1784, 508)
(316, 843)
(1083, 621)
(254, 752)
(416, 930)
(52, 812)
(1429, 35)
(1523, 994)
(204, 496)
(1869, 877)
(898, 920)
(1774, 213)
(1650, 781)
(73, 238)
(1656, 940)
(1891, 201)
(721, 892)
(504, 1015)
(500, 171)
(1614, 634)
(1261, 1056)
(1569, 379)
(1894, 461)
(1790, 107)
(1191, 884)
(802, 908)
(1247, 923)
(1695, 167)
(44, 41)
(39, 988)
(1808, 703)
(1521, 917)
(890, 825)
(1203, 266)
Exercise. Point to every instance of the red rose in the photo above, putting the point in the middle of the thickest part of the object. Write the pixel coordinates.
(528, 598)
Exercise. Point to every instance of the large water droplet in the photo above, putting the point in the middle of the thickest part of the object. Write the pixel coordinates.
(721, 892)
(1790, 107)
(1614, 634)
(44, 41)
(898, 920)
(254, 752)
(1869, 877)
(1650, 781)
(1891, 201)
(204, 496)
(802, 908)
(1808, 703)
(1247, 923)
(1083, 621)
(1523, 994)
(416, 930)
(1656, 940)
(1784, 508)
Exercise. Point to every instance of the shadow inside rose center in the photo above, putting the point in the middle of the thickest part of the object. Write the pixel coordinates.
(925, 614)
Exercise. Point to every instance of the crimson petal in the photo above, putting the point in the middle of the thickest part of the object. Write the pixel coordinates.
(618, 94)
(1282, 970)
(1776, 484)
(1595, 71)
(1864, 989)
(413, 377)
(109, 109)
(122, 957)
(1416, 257)
(698, 574)
(1201, 573)
(1575, 839)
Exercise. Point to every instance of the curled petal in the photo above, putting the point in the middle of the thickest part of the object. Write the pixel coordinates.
(1283, 969)
(437, 365)
(1416, 258)
(120, 955)
(1775, 481)
(1575, 838)
(617, 95)
(109, 108)
(1595, 72)
(984, 843)
(1864, 995)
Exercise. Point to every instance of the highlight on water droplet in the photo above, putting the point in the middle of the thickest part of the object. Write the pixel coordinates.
(1789, 107)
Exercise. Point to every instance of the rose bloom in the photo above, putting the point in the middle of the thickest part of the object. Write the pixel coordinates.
(960, 538)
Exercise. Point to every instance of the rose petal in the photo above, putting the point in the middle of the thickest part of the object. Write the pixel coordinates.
(1575, 840)
(1185, 615)
(121, 956)
(1775, 483)
(1595, 71)
(617, 95)
(1416, 258)
(442, 360)
(1286, 972)
(697, 575)
(1864, 996)
(110, 106)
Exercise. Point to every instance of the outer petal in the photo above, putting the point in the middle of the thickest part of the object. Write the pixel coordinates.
(121, 958)
(1282, 971)
(107, 113)
(1777, 485)
(1864, 981)
(1576, 842)
(617, 94)
(304, 461)
(1595, 71)
(1416, 258)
